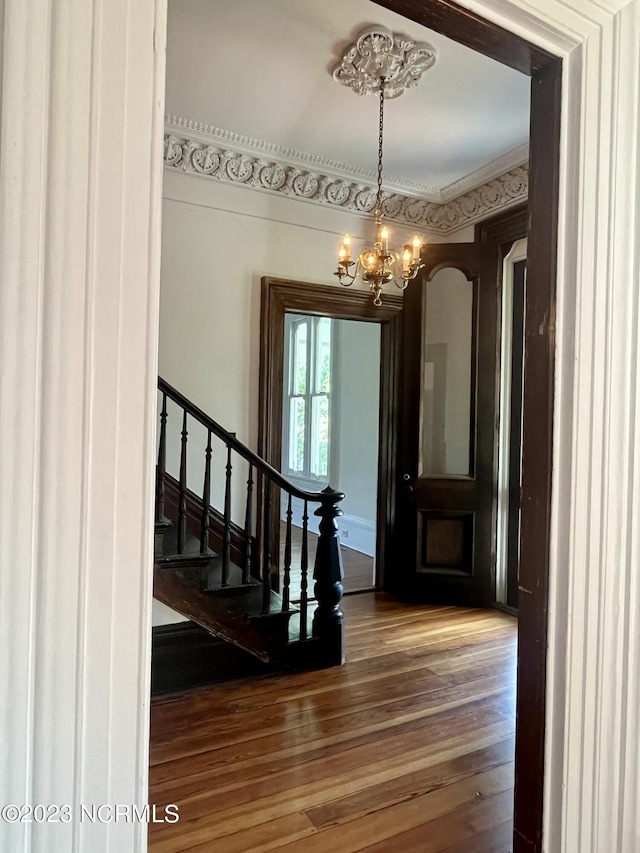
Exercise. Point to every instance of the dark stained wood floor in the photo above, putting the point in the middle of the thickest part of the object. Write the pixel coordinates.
(408, 747)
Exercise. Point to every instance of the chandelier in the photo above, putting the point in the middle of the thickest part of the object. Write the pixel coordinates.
(378, 265)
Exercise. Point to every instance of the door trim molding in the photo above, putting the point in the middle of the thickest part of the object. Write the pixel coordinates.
(518, 252)
(546, 71)
(281, 296)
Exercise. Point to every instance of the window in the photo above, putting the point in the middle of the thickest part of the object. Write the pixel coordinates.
(308, 396)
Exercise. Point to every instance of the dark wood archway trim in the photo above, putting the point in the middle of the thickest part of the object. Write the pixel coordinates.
(279, 297)
(505, 227)
(537, 450)
(545, 71)
(472, 31)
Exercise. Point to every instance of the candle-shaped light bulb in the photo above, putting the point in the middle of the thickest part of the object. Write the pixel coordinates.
(417, 244)
(345, 250)
(384, 237)
(406, 259)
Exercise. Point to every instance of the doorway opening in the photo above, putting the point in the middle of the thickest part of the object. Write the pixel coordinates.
(330, 426)
(392, 489)
(359, 455)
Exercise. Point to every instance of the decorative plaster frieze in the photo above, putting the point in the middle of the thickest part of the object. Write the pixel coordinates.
(380, 53)
(257, 147)
(210, 135)
(223, 163)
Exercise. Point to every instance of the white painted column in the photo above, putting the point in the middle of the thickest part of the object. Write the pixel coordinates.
(593, 686)
(80, 156)
(596, 575)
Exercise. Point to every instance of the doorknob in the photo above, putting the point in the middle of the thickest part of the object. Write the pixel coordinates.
(406, 483)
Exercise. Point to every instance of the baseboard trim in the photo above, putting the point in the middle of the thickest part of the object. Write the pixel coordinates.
(185, 656)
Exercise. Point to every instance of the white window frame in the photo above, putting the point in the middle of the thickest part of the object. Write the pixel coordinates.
(292, 321)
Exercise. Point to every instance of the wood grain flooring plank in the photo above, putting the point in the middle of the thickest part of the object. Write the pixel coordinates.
(498, 839)
(266, 755)
(360, 757)
(197, 813)
(233, 786)
(410, 785)
(362, 833)
(339, 703)
(480, 815)
(257, 839)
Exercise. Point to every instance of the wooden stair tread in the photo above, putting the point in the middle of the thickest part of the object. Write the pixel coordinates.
(213, 584)
(191, 582)
(217, 614)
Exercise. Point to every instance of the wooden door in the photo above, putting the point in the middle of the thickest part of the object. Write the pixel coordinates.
(446, 494)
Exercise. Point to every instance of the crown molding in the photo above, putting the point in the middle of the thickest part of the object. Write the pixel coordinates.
(500, 166)
(198, 150)
(255, 147)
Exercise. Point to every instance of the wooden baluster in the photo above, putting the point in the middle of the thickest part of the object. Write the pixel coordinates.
(206, 499)
(161, 468)
(266, 547)
(304, 568)
(328, 619)
(226, 536)
(286, 584)
(182, 501)
(248, 521)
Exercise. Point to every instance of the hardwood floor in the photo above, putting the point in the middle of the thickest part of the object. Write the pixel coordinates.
(359, 571)
(408, 747)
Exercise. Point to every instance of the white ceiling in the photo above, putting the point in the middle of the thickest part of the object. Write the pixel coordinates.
(262, 68)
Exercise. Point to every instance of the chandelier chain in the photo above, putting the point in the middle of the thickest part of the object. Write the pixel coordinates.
(376, 264)
(380, 139)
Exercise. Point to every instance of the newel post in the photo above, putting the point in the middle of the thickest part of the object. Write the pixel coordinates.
(328, 620)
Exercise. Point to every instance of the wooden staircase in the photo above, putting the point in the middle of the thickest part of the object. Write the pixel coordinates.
(235, 580)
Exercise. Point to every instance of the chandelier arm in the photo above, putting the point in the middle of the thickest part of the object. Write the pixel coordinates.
(402, 284)
(350, 276)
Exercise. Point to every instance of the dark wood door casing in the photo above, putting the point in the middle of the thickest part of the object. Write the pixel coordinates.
(545, 70)
(281, 296)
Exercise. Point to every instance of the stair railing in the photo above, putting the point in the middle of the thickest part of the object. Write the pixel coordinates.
(259, 554)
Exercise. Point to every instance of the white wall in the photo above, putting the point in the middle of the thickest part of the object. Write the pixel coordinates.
(218, 241)
(1, 57)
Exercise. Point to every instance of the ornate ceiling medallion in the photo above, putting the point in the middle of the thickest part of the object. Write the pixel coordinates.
(379, 53)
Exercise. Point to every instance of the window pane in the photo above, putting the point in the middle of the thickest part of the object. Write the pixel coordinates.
(296, 434)
(299, 361)
(323, 356)
(320, 436)
(447, 375)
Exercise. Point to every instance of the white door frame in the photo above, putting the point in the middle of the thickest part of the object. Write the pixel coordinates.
(518, 252)
(80, 209)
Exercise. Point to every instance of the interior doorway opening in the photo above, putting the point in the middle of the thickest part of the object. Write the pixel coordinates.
(330, 435)
(470, 32)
